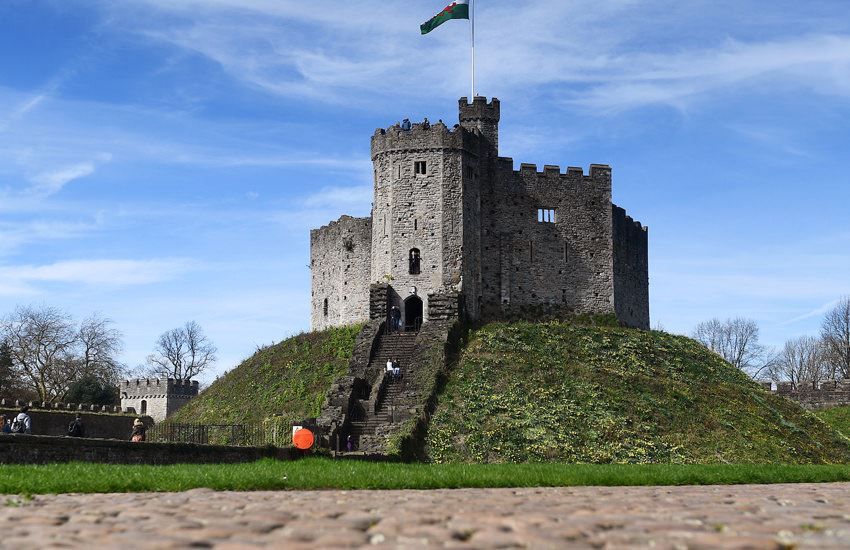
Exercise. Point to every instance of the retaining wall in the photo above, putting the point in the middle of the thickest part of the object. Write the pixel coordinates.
(100, 425)
(32, 449)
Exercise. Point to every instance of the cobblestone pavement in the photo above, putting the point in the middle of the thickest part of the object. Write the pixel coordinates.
(745, 516)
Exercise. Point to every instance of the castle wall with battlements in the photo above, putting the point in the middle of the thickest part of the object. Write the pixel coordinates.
(157, 398)
(631, 270)
(340, 267)
(509, 242)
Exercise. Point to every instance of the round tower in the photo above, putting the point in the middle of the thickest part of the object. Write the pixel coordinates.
(421, 175)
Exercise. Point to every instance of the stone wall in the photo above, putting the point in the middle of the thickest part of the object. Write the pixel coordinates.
(834, 393)
(567, 263)
(26, 449)
(158, 398)
(631, 270)
(341, 272)
(100, 425)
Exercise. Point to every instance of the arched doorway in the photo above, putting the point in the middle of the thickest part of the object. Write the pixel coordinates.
(412, 313)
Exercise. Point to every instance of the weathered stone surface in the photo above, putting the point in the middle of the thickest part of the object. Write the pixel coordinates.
(831, 393)
(747, 516)
(53, 420)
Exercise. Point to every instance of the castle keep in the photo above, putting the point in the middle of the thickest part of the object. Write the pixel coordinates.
(157, 398)
(451, 218)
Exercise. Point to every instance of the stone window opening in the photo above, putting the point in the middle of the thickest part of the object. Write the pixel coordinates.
(325, 307)
(546, 215)
(420, 168)
(143, 407)
(415, 224)
(414, 262)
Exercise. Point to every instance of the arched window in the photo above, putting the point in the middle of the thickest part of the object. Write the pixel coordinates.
(414, 261)
(143, 407)
(325, 307)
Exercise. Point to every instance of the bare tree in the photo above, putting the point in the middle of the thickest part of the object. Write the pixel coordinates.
(49, 352)
(182, 353)
(737, 341)
(835, 333)
(42, 342)
(801, 362)
(100, 346)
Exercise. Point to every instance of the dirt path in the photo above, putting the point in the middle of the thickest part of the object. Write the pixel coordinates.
(746, 516)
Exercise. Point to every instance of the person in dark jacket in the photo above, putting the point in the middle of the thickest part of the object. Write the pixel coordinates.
(139, 430)
(76, 428)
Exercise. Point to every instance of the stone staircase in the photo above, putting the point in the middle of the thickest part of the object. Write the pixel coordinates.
(373, 419)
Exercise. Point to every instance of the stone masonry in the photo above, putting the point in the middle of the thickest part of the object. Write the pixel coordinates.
(157, 398)
(452, 216)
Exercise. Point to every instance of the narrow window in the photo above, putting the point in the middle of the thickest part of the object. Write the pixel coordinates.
(546, 215)
(385, 226)
(420, 168)
(414, 262)
(143, 408)
(415, 224)
(531, 250)
(565, 252)
(325, 307)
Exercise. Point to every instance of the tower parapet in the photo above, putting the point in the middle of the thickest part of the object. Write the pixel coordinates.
(482, 116)
(422, 138)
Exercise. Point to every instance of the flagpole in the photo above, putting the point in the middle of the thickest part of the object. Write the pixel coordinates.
(473, 49)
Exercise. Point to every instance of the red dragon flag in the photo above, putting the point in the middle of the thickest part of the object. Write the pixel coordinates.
(456, 10)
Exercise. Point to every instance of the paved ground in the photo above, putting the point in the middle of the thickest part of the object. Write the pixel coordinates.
(748, 516)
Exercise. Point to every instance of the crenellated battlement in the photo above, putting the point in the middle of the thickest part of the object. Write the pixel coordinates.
(168, 387)
(597, 174)
(479, 109)
(422, 137)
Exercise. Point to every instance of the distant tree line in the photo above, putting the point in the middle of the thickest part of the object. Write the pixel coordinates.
(48, 356)
(802, 361)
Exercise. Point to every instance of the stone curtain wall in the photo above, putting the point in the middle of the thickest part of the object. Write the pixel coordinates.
(631, 270)
(100, 425)
(529, 265)
(340, 265)
(25, 449)
(162, 397)
(829, 394)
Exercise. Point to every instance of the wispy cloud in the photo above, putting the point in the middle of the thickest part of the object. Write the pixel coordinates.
(50, 182)
(107, 272)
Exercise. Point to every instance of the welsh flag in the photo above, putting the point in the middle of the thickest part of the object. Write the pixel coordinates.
(455, 10)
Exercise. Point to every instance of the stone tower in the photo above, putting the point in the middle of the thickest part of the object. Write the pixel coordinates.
(452, 217)
(158, 398)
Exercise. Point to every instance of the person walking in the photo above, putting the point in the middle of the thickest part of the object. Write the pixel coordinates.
(76, 428)
(22, 423)
(4, 425)
(139, 431)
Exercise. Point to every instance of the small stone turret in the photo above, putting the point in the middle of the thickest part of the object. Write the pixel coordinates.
(482, 116)
(158, 398)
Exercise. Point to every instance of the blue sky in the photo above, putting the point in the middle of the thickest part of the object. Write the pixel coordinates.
(164, 160)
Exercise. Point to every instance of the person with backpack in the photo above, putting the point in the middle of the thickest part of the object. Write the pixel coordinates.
(76, 427)
(139, 430)
(22, 423)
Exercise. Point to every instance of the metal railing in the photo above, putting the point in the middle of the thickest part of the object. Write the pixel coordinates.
(237, 435)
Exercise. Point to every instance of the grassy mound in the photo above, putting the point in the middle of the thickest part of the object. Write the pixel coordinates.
(560, 392)
(837, 417)
(287, 380)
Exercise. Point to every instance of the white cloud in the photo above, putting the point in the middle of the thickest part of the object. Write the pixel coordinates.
(99, 272)
(341, 197)
(51, 182)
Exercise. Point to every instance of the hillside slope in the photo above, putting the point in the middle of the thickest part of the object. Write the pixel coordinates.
(560, 392)
(288, 379)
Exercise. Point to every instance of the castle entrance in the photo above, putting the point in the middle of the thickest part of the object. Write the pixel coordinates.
(412, 313)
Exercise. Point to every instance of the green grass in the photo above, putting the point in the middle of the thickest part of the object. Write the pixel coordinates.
(286, 381)
(535, 392)
(837, 417)
(316, 473)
